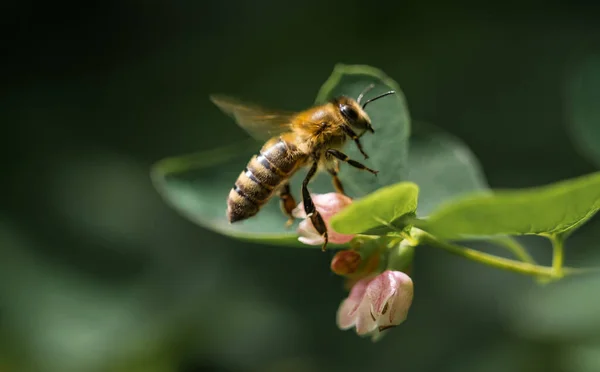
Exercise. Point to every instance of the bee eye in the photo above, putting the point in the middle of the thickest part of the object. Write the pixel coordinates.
(348, 112)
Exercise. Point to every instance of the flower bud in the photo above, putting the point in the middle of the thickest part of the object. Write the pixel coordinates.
(346, 262)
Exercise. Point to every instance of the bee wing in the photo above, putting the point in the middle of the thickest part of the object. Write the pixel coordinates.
(260, 122)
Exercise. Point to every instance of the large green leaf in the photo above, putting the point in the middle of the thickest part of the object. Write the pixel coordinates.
(443, 166)
(197, 185)
(383, 206)
(556, 208)
(583, 92)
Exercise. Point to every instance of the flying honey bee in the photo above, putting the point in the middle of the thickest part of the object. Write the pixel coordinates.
(293, 140)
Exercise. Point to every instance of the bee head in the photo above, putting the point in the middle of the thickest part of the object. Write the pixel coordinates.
(354, 112)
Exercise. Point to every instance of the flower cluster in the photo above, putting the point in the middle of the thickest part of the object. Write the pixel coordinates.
(378, 299)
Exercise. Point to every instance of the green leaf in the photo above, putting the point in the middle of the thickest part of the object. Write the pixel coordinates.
(443, 167)
(583, 110)
(197, 185)
(557, 208)
(381, 207)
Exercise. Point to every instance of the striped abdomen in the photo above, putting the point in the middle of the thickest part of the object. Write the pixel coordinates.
(265, 172)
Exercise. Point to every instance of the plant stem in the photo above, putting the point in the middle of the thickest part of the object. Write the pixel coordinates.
(557, 254)
(487, 259)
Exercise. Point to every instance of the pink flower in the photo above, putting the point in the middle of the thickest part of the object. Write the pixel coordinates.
(327, 205)
(376, 303)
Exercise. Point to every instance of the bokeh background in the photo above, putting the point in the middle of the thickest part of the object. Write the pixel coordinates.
(97, 273)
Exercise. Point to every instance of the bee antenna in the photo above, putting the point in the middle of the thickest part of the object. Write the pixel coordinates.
(379, 96)
(365, 91)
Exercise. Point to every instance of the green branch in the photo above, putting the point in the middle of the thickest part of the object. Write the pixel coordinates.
(557, 254)
(525, 268)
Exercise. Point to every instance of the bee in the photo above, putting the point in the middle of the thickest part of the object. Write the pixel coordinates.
(312, 138)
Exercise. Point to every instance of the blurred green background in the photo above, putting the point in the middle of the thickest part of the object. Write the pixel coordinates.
(97, 273)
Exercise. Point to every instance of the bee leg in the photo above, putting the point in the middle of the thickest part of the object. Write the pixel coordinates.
(287, 203)
(309, 206)
(336, 181)
(354, 137)
(343, 157)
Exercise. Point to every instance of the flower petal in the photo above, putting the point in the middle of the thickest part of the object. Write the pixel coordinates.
(330, 203)
(316, 240)
(307, 234)
(380, 291)
(391, 294)
(327, 204)
(337, 238)
(299, 212)
(365, 319)
(346, 315)
(401, 302)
